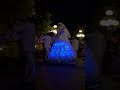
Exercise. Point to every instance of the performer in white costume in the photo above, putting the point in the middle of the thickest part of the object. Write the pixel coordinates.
(47, 44)
(62, 50)
(75, 44)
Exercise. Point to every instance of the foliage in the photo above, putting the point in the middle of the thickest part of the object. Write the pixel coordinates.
(43, 24)
(21, 7)
(100, 14)
(12, 9)
(17, 8)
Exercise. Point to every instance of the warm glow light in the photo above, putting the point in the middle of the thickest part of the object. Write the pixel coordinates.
(55, 26)
(54, 31)
(115, 22)
(80, 31)
(102, 22)
(80, 35)
(1, 49)
(83, 35)
(109, 22)
(109, 12)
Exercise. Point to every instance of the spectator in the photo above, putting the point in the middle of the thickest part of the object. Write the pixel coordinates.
(26, 32)
(47, 44)
(75, 44)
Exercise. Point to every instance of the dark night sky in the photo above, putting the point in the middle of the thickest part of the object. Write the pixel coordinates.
(72, 12)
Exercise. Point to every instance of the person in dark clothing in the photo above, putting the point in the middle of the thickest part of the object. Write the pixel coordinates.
(26, 34)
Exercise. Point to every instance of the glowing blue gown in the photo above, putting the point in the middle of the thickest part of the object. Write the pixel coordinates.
(62, 52)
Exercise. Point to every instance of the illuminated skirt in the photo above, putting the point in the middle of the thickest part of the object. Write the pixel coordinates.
(62, 52)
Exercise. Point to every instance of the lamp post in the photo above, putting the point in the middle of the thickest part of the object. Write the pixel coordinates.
(54, 29)
(55, 26)
(81, 37)
(80, 34)
(110, 22)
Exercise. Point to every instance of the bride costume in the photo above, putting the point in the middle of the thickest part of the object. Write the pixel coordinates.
(62, 50)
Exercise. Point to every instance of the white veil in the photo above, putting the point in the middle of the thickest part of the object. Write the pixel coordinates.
(65, 30)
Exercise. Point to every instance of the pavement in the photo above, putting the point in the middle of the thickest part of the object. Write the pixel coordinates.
(60, 77)
(48, 76)
(52, 77)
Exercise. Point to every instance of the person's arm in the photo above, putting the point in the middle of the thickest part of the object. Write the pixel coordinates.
(61, 31)
(51, 41)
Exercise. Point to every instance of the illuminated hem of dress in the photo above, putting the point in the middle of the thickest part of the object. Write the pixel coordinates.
(62, 52)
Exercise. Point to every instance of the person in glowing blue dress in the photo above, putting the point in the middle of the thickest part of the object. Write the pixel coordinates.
(62, 50)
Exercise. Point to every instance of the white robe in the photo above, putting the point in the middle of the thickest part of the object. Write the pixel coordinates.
(75, 44)
(47, 41)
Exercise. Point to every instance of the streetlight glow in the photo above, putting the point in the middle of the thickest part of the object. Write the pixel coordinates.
(55, 26)
(80, 35)
(103, 22)
(54, 31)
(83, 35)
(109, 22)
(80, 31)
(1, 49)
(109, 12)
(115, 22)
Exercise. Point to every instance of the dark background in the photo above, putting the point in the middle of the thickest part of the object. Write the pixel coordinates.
(73, 12)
